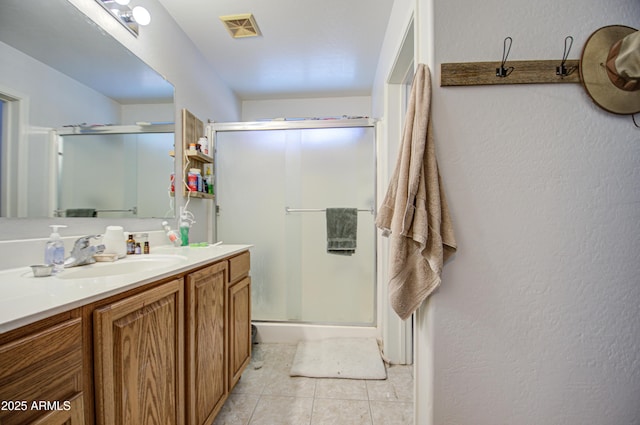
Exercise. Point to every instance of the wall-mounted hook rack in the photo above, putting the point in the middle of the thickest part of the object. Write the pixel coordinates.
(524, 72)
(517, 72)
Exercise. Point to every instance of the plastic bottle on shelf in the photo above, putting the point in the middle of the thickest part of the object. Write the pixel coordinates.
(204, 145)
(199, 178)
(209, 178)
(192, 180)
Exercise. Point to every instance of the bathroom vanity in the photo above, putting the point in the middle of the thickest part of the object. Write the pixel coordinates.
(165, 344)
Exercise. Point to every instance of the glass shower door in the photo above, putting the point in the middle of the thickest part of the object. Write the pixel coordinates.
(262, 173)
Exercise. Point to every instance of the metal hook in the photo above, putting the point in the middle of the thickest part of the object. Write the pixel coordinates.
(502, 71)
(562, 70)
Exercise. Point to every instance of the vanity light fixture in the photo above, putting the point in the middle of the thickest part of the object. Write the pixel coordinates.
(131, 18)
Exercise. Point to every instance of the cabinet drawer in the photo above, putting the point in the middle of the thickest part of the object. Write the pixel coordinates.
(45, 366)
(239, 266)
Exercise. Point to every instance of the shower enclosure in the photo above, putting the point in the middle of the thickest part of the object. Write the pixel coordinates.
(274, 182)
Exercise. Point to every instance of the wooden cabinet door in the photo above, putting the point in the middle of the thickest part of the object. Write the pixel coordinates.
(239, 329)
(138, 344)
(206, 336)
(41, 373)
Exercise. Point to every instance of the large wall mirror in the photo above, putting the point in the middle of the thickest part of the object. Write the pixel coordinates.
(86, 125)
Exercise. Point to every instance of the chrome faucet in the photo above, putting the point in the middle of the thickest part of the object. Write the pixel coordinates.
(82, 252)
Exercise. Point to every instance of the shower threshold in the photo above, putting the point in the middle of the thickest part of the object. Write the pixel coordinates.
(290, 333)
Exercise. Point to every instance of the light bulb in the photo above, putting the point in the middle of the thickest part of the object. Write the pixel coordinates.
(141, 15)
(122, 2)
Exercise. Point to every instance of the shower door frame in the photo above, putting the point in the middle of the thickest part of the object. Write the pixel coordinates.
(306, 124)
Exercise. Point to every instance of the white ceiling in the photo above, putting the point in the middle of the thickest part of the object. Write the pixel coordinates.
(307, 48)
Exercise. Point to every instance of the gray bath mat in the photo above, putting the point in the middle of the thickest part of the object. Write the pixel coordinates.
(354, 358)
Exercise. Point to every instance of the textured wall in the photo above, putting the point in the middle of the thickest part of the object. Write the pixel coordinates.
(538, 318)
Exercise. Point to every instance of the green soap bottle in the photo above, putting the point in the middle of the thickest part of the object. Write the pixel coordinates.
(184, 230)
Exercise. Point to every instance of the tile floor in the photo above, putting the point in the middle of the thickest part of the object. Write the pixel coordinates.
(266, 394)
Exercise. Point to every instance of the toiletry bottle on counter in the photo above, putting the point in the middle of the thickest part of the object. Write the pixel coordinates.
(54, 250)
(184, 230)
(131, 245)
(114, 242)
(173, 236)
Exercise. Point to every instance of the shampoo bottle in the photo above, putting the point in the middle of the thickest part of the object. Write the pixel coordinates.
(54, 250)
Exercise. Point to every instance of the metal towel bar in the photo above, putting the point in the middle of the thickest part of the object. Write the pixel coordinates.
(133, 210)
(290, 210)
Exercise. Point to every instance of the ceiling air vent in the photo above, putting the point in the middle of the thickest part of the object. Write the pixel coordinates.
(240, 26)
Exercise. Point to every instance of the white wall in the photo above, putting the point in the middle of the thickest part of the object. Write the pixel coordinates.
(255, 110)
(51, 99)
(537, 319)
(42, 86)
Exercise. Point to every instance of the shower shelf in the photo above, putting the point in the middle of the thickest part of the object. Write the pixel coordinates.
(200, 157)
(192, 130)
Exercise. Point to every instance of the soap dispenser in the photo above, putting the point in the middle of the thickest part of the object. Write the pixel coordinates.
(54, 250)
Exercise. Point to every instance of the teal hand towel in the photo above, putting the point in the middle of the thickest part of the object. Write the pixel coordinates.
(81, 212)
(342, 229)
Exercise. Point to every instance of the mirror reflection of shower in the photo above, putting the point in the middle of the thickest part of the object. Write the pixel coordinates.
(114, 171)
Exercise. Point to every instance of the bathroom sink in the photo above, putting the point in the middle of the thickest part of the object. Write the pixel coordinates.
(137, 264)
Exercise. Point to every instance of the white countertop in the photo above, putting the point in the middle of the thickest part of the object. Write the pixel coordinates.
(26, 299)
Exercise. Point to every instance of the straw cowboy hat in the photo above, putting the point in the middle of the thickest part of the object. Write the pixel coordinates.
(610, 69)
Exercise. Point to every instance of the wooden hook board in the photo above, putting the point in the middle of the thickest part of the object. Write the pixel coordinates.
(524, 72)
